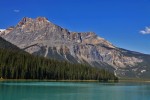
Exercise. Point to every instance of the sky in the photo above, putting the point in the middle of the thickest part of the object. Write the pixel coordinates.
(125, 23)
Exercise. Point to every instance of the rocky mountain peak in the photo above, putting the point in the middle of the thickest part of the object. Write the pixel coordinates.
(24, 20)
(29, 21)
(44, 19)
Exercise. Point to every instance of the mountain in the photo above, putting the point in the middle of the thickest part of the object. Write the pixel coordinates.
(41, 37)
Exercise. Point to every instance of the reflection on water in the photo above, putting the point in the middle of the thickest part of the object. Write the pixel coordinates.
(13, 90)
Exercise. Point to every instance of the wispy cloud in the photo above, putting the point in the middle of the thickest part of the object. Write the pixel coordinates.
(16, 10)
(146, 30)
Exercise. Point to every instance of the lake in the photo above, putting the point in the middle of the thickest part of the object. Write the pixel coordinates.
(41, 90)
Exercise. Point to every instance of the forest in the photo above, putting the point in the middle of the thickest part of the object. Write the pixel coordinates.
(21, 65)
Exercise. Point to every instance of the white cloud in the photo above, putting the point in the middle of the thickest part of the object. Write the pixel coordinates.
(16, 10)
(146, 30)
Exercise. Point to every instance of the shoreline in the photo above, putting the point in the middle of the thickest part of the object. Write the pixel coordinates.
(109, 81)
(49, 80)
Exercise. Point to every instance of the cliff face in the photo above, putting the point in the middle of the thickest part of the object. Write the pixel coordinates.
(41, 37)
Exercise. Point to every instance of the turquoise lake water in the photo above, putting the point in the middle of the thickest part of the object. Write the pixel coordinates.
(27, 90)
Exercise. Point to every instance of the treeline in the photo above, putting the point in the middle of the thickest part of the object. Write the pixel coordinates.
(17, 65)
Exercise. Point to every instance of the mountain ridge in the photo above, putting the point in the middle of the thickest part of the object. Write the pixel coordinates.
(41, 37)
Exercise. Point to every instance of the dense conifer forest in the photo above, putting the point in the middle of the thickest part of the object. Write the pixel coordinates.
(20, 65)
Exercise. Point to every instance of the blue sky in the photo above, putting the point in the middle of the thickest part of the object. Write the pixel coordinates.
(125, 23)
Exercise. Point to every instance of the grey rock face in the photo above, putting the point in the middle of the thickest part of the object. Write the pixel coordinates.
(41, 37)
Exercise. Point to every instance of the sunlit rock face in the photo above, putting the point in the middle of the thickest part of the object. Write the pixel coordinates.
(41, 37)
